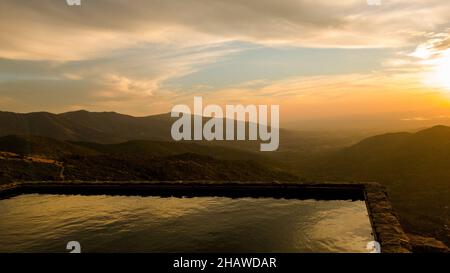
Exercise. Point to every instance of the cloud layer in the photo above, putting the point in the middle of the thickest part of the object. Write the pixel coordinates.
(49, 29)
(135, 56)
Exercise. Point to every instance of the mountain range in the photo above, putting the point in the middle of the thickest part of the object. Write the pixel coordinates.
(414, 166)
(104, 127)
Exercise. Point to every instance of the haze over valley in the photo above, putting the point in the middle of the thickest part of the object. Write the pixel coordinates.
(413, 166)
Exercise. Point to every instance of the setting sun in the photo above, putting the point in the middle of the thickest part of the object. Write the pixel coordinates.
(442, 71)
(439, 76)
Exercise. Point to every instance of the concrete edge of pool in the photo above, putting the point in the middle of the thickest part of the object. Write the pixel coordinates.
(385, 224)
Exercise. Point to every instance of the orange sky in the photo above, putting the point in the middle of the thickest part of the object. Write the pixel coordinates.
(318, 60)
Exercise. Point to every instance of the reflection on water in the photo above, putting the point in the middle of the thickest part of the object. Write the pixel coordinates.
(45, 223)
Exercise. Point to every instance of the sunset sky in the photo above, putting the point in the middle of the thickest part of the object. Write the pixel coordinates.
(317, 59)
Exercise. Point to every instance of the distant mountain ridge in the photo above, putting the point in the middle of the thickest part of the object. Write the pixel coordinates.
(101, 127)
(112, 128)
(392, 154)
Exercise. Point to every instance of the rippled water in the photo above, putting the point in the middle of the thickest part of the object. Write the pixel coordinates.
(45, 223)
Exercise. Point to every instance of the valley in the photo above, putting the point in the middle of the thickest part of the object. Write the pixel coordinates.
(413, 166)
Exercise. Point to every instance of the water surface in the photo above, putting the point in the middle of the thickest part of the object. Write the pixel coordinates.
(45, 223)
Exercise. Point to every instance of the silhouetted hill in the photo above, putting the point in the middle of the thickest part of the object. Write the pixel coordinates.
(165, 148)
(187, 167)
(111, 128)
(99, 127)
(41, 158)
(428, 141)
(37, 145)
(105, 127)
(415, 167)
(393, 155)
(57, 149)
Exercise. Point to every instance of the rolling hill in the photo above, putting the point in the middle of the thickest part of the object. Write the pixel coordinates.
(40, 158)
(105, 127)
(390, 156)
(415, 168)
(112, 128)
(38, 145)
(58, 149)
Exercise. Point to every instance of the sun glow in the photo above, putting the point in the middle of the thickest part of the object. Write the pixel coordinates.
(440, 74)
